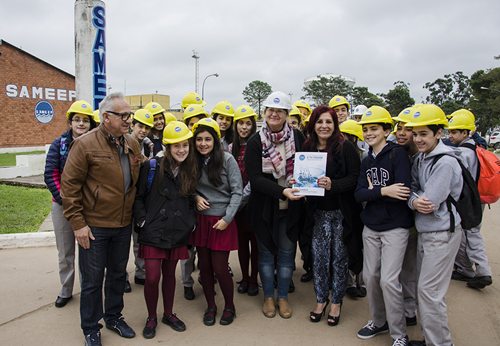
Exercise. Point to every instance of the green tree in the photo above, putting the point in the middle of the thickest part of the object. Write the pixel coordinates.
(451, 92)
(398, 98)
(256, 92)
(322, 89)
(485, 101)
(362, 96)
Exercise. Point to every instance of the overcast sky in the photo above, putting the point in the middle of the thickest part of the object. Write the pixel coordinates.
(150, 42)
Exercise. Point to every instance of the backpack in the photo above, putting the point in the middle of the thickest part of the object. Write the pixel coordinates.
(488, 176)
(151, 173)
(468, 204)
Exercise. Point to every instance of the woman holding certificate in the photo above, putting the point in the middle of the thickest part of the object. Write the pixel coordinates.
(333, 214)
(275, 211)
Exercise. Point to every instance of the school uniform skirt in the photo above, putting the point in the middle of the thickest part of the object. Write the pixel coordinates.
(207, 236)
(153, 252)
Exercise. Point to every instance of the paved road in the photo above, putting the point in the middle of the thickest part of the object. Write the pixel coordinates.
(30, 285)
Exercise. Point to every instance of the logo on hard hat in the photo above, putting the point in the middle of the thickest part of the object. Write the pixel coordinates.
(177, 129)
(198, 98)
(416, 115)
(154, 106)
(368, 113)
(227, 107)
(191, 109)
(276, 100)
(407, 111)
(147, 116)
(337, 99)
(84, 105)
(243, 110)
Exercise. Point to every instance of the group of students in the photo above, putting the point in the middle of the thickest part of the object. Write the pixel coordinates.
(213, 183)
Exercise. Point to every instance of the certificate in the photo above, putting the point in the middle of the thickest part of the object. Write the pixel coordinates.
(308, 167)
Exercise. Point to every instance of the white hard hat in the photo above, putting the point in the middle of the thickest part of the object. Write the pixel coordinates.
(359, 110)
(278, 99)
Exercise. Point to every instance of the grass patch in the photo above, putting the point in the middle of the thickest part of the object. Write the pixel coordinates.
(23, 209)
(9, 159)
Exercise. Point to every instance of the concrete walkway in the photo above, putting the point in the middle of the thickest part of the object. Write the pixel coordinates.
(30, 285)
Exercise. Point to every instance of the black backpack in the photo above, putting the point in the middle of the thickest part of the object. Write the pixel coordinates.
(469, 203)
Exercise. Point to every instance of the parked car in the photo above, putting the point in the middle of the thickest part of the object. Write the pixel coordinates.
(494, 140)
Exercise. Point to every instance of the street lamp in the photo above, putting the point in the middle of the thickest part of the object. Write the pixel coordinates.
(203, 85)
(489, 89)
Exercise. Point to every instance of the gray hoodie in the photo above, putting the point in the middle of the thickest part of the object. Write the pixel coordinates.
(444, 179)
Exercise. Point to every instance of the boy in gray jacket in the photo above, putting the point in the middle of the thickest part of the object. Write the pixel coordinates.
(438, 241)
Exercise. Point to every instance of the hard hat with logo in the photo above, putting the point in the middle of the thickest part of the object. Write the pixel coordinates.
(404, 116)
(303, 104)
(376, 115)
(192, 98)
(462, 120)
(144, 117)
(278, 99)
(427, 114)
(154, 108)
(223, 108)
(169, 117)
(175, 132)
(352, 127)
(338, 100)
(80, 107)
(244, 111)
(462, 111)
(359, 110)
(96, 117)
(209, 122)
(194, 110)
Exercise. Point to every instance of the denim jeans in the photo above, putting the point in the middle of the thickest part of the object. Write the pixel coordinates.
(286, 263)
(107, 253)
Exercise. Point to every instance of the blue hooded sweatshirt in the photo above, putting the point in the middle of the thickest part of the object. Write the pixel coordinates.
(390, 166)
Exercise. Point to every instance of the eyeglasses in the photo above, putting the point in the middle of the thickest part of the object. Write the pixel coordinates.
(81, 120)
(125, 115)
(276, 110)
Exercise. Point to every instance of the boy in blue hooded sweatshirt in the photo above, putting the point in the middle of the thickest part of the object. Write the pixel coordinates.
(384, 184)
(438, 241)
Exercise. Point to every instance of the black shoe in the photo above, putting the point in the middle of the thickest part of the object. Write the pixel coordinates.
(370, 330)
(411, 321)
(291, 288)
(243, 287)
(93, 339)
(174, 322)
(253, 290)
(139, 281)
(149, 330)
(230, 271)
(188, 293)
(308, 276)
(60, 301)
(121, 328)
(480, 282)
(209, 316)
(334, 320)
(352, 292)
(456, 275)
(417, 343)
(228, 316)
(361, 292)
(128, 288)
(316, 317)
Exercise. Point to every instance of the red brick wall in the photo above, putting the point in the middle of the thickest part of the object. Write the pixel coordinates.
(19, 127)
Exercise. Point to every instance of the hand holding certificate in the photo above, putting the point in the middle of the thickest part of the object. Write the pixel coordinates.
(308, 168)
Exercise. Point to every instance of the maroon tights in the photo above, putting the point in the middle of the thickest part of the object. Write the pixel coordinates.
(215, 262)
(155, 268)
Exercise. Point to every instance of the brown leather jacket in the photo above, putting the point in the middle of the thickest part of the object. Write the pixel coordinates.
(92, 187)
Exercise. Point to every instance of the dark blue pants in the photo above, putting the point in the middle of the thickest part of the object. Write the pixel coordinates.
(107, 253)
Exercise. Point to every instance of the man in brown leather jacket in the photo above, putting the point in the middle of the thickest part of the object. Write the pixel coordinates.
(98, 191)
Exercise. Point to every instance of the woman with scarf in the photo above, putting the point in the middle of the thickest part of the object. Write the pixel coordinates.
(275, 211)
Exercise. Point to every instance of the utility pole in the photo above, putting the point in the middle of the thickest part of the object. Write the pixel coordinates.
(196, 57)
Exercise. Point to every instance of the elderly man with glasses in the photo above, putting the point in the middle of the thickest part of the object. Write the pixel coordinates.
(98, 191)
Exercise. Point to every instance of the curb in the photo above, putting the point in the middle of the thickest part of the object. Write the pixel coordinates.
(25, 240)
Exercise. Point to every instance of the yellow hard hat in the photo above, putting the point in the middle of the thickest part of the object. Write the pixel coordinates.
(175, 132)
(192, 98)
(194, 111)
(295, 111)
(96, 117)
(209, 122)
(169, 117)
(404, 116)
(306, 120)
(81, 107)
(224, 108)
(352, 127)
(376, 115)
(427, 114)
(338, 100)
(144, 117)
(244, 111)
(154, 108)
(462, 120)
(303, 104)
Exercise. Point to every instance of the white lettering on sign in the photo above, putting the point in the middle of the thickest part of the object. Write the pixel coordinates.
(12, 90)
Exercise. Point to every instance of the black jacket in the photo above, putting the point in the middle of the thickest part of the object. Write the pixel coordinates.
(169, 217)
(263, 206)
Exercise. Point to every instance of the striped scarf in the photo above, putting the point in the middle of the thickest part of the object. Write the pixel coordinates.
(272, 161)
